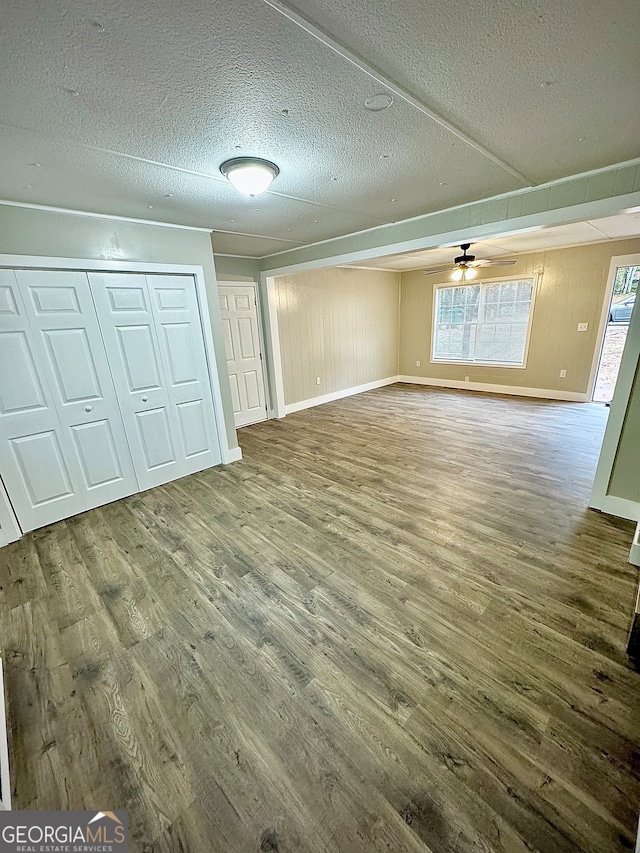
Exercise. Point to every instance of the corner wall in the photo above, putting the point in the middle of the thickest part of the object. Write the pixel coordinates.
(25, 231)
(571, 288)
(231, 268)
(337, 324)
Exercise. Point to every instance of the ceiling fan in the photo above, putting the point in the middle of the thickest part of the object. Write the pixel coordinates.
(465, 265)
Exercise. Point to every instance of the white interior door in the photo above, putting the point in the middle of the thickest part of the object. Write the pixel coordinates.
(72, 357)
(63, 444)
(239, 308)
(152, 332)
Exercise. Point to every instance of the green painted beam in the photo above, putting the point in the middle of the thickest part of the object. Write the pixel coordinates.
(599, 193)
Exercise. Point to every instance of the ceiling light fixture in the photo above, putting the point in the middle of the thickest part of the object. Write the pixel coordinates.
(464, 273)
(250, 175)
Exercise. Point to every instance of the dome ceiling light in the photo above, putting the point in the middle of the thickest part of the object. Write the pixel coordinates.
(250, 175)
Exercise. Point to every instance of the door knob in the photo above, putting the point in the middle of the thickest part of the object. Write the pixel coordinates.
(87, 408)
(144, 399)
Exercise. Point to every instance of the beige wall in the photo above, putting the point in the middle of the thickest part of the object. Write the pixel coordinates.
(45, 233)
(338, 324)
(571, 289)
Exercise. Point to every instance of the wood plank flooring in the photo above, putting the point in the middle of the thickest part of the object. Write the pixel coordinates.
(394, 626)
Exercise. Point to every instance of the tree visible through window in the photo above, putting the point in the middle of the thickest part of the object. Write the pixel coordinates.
(485, 323)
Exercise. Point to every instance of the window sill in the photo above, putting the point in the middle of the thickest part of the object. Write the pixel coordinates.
(502, 364)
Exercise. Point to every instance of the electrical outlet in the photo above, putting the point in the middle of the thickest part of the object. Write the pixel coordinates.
(563, 374)
(582, 327)
(417, 364)
(317, 380)
(466, 378)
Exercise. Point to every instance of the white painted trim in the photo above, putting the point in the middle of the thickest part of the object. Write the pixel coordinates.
(241, 257)
(196, 271)
(618, 261)
(368, 269)
(338, 395)
(5, 801)
(233, 455)
(9, 527)
(619, 507)
(634, 559)
(512, 390)
(210, 353)
(92, 215)
(43, 262)
(600, 497)
(272, 341)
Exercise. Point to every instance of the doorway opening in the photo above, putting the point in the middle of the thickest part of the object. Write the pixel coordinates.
(623, 297)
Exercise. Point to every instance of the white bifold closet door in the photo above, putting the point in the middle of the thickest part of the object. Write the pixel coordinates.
(153, 336)
(63, 444)
(104, 389)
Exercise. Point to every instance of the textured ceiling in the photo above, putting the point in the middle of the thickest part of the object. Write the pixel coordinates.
(560, 236)
(129, 108)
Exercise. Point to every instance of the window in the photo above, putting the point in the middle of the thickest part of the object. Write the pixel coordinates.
(483, 323)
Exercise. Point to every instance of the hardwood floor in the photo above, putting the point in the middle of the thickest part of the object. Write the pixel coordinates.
(394, 626)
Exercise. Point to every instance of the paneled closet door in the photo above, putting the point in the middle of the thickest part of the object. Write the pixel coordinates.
(39, 467)
(149, 393)
(175, 310)
(63, 442)
(71, 355)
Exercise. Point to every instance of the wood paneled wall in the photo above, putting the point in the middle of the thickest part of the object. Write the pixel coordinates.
(337, 324)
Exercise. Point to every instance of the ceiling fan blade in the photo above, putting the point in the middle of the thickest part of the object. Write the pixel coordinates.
(440, 269)
(491, 262)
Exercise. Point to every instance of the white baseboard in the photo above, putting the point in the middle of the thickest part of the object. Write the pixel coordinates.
(234, 454)
(337, 395)
(620, 507)
(515, 390)
(634, 558)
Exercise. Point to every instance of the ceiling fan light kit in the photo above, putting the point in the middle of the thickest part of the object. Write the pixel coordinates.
(465, 266)
(464, 273)
(250, 175)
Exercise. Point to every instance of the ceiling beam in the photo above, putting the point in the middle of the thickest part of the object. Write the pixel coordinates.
(366, 67)
(603, 192)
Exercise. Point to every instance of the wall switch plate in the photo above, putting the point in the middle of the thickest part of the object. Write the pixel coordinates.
(417, 364)
(563, 373)
(317, 380)
(466, 378)
(582, 327)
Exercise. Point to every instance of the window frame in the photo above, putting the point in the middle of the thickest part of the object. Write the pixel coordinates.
(534, 276)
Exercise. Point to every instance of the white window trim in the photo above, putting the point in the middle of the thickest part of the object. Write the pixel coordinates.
(484, 281)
